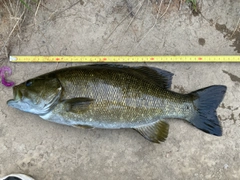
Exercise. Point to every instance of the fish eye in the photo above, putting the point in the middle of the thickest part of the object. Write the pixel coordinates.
(29, 83)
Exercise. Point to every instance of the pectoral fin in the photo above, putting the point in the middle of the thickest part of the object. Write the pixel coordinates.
(156, 132)
(78, 104)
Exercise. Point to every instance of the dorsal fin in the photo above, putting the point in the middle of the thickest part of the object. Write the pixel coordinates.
(161, 77)
(158, 76)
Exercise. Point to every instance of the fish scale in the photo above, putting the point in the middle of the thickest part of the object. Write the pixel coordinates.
(117, 93)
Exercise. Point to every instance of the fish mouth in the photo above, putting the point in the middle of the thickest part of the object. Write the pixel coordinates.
(17, 96)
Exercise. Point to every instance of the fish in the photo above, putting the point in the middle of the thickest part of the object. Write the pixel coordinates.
(114, 96)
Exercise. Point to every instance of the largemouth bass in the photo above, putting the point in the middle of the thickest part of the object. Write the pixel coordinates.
(115, 96)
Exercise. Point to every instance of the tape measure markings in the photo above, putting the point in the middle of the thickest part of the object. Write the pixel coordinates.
(124, 59)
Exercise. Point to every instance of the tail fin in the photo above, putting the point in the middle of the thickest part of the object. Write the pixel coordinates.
(206, 101)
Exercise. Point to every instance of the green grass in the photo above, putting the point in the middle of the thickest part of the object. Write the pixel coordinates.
(193, 5)
(26, 4)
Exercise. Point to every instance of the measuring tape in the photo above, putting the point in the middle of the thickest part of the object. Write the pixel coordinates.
(123, 59)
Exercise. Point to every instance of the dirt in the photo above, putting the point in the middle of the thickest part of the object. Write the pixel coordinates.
(50, 151)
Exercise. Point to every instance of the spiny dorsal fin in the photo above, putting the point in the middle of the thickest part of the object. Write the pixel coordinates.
(158, 76)
(156, 132)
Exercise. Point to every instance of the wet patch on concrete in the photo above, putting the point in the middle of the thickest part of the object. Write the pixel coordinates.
(180, 89)
(233, 113)
(228, 107)
(201, 41)
(233, 77)
(231, 35)
(231, 117)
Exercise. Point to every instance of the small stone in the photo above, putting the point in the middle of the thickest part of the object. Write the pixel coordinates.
(225, 166)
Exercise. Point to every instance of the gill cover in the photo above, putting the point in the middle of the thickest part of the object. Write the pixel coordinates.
(38, 95)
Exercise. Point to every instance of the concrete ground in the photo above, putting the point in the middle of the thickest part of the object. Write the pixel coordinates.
(50, 151)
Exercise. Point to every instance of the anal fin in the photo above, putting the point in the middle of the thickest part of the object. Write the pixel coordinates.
(156, 132)
(83, 126)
